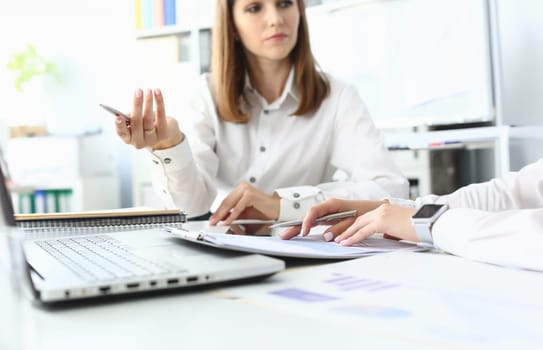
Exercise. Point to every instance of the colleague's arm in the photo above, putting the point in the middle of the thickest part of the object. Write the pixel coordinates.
(175, 177)
(507, 238)
(522, 189)
(184, 176)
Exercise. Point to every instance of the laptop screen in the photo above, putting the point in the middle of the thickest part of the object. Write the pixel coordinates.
(7, 218)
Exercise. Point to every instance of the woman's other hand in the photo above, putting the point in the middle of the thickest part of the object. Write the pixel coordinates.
(149, 127)
(246, 202)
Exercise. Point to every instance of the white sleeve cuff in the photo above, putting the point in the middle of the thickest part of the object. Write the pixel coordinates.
(173, 159)
(167, 162)
(296, 201)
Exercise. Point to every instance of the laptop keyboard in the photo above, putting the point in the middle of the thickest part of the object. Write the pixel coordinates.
(102, 257)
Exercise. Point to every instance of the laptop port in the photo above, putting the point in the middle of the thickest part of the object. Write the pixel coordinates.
(104, 289)
(192, 279)
(67, 293)
(172, 281)
(132, 285)
(152, 283)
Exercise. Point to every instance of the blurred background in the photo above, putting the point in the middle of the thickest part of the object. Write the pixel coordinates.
(454, 85)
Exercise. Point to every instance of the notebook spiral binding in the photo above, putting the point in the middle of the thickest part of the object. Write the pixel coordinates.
(40, 232)
(39, 228)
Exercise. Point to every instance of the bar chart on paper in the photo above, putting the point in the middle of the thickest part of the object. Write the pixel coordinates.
(347, 283)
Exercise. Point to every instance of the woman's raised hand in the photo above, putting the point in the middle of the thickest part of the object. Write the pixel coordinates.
(149, 127)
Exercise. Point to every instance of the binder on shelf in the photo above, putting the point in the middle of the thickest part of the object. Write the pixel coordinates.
(40, 205)
(138, 14)
(25, 202)
(28, 201)
(158, 13)
(111, 220)
(55, 201)
(169, 12)
(155, 13)
(146, 14)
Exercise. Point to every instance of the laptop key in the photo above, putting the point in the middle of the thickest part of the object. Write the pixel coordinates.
(102, 258)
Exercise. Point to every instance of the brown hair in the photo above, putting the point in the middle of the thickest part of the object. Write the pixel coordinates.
(228, 67)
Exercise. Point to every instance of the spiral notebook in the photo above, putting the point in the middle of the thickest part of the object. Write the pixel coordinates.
(40, 225)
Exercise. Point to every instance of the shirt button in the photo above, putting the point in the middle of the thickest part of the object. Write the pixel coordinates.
(167, 160)
(296, 205)
(296, 195)
(262, 149)
(252, 180)
(266, 111)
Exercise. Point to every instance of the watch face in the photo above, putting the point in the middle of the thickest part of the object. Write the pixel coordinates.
(427, 211)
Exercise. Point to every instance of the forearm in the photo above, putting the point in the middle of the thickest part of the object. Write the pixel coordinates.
(179, 182)
(509, 238)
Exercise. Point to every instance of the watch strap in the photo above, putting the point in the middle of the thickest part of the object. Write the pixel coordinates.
(424, 233)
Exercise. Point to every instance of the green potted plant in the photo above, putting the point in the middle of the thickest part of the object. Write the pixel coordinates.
(29, 69)
(28, 65)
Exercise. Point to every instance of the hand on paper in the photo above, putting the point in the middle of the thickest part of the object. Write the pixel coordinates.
(368, 220)
(148, 127)
(392, 220)
(246, 202)
(329, 206)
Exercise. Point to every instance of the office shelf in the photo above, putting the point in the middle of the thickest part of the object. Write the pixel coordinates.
(190, 16)
(165, 31)
(83, 166)
(497, 137)
(338, 5)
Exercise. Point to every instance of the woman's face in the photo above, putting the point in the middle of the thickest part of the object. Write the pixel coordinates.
(268, 29)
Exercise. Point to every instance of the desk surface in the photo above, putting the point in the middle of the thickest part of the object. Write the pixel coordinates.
(395, 301)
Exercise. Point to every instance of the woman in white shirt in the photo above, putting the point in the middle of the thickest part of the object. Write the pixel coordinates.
(267, 133)
(499, 221)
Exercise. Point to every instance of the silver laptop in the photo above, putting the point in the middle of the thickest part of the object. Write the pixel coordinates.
(74, 267)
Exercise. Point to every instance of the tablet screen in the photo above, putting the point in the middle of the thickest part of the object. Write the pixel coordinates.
(257, 229)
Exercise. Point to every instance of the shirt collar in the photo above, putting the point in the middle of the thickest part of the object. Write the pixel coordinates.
(289, 90)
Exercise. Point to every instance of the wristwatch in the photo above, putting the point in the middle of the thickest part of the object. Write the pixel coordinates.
(424, 218)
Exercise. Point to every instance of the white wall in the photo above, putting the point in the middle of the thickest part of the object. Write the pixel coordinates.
(90, 41)
(414, 62)
(94, 46)
(94, 43)
(520, 30)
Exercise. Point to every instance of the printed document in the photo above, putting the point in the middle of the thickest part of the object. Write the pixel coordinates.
(312, 246)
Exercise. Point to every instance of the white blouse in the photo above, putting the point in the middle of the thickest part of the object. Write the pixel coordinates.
(333, 152)
(499, 221)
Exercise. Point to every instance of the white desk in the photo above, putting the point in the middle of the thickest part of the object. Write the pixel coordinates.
(432, 301)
